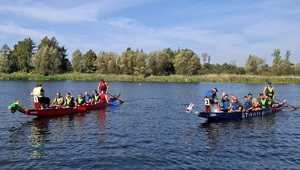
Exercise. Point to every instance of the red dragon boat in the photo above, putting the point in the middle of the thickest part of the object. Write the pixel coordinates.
(49, 112)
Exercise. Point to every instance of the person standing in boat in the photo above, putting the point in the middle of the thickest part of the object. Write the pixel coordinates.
(103, 85)
(58, 101)
(79, 101)
(40, 93)
(69, 101)
(212, 95)
(269, 91)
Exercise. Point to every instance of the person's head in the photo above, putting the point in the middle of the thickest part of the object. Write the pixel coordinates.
(269, 98)
(269, 84)
(102, 91)
(38, 85)
(79, 95)
(246, 99)
(68, 94)
(58, 94)
(95, 91)
(102, 80)
(250, 95)
(215, 90)
(86, 93)
(226, 96)
(260, 95)
(235, 99)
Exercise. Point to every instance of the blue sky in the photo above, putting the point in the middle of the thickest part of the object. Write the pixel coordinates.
(228, 30)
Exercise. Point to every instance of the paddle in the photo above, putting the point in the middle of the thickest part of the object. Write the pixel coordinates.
(294, 107)
(115, 98)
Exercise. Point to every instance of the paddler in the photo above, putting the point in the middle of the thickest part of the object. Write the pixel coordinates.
(212, 95)
(269, 91)
(58, 101)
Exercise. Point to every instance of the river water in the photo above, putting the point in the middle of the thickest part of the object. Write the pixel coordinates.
(150, 130)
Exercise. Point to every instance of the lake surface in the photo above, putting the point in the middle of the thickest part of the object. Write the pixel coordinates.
(150, 130)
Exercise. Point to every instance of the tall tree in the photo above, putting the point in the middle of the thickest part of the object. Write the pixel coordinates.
(22, 55)
(159, 63)
(139, 63)
(187, 63)
(255, 65)
(5, 59)
(47, 61)
(126, 62)
(77, 61)
(89, 62)
(107, 63)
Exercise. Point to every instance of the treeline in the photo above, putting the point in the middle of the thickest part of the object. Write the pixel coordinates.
(49, 58)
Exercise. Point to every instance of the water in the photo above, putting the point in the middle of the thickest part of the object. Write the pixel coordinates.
(150, 130)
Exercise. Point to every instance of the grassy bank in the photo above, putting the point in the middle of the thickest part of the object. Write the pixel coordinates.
(250, 79)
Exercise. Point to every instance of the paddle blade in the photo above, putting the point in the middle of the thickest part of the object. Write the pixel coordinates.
(295, 108)
(113, 103)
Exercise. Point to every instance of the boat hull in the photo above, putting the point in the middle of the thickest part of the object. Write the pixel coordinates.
(239, 115)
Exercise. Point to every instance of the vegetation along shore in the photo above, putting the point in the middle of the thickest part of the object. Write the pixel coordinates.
(225, 78)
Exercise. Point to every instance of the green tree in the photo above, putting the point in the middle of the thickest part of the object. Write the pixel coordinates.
(47, 61)
(89, 62)
(77, 61)
(159, 63)
(255, 65)
(126, 62)
(65, 65)
(5, 59)
(107, 63)
(281, 66)
(22, 55)
(186, 62)
(139, 63)
(297, 69)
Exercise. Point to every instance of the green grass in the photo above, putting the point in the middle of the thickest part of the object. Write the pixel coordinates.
(225, 78)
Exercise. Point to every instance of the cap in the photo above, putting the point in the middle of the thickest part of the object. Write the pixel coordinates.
(216, 89)
(269, 83)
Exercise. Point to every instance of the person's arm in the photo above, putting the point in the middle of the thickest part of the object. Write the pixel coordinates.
(62, 101)
(265, 91)
(99, 87)
(106, 99)
(53, 102)
(274, 93)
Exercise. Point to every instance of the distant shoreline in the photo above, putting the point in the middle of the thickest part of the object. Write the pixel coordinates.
(224, 78)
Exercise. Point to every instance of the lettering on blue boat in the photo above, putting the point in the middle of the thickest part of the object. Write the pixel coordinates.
(213, 115)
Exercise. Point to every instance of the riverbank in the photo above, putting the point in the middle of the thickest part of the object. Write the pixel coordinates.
(225, 78)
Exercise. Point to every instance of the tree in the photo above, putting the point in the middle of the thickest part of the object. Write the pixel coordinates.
(126, 62)
(5, 59)
(107, 63)
(22, 55)
(139, 63)
(77, 61)
(47, 61)
(255, 65)
(281, 66)
(186, 62)
(159, 63)
(65, 65)
(89, 62)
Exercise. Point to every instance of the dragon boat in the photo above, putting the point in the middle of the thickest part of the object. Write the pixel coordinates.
(49, 112)
(211, 111)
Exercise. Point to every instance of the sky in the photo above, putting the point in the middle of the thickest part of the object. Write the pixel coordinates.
(229, 31)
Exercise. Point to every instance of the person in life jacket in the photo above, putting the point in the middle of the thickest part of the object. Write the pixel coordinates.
(79, 101)
(40, 93)
(58, 101)
(103, 97)
(269, 91)
(69, 101)
(237, 106)
(247, 104)
(262, 102)
(269, 103)
(95, 97)
(103, 85)
(226, 103)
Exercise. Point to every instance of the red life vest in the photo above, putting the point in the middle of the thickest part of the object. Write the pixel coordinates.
(103, 86)
(102, 98)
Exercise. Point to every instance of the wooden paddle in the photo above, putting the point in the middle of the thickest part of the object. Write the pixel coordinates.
(116, 98)
(294, 107)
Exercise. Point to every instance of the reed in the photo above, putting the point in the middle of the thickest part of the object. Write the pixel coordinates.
(225, 78)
